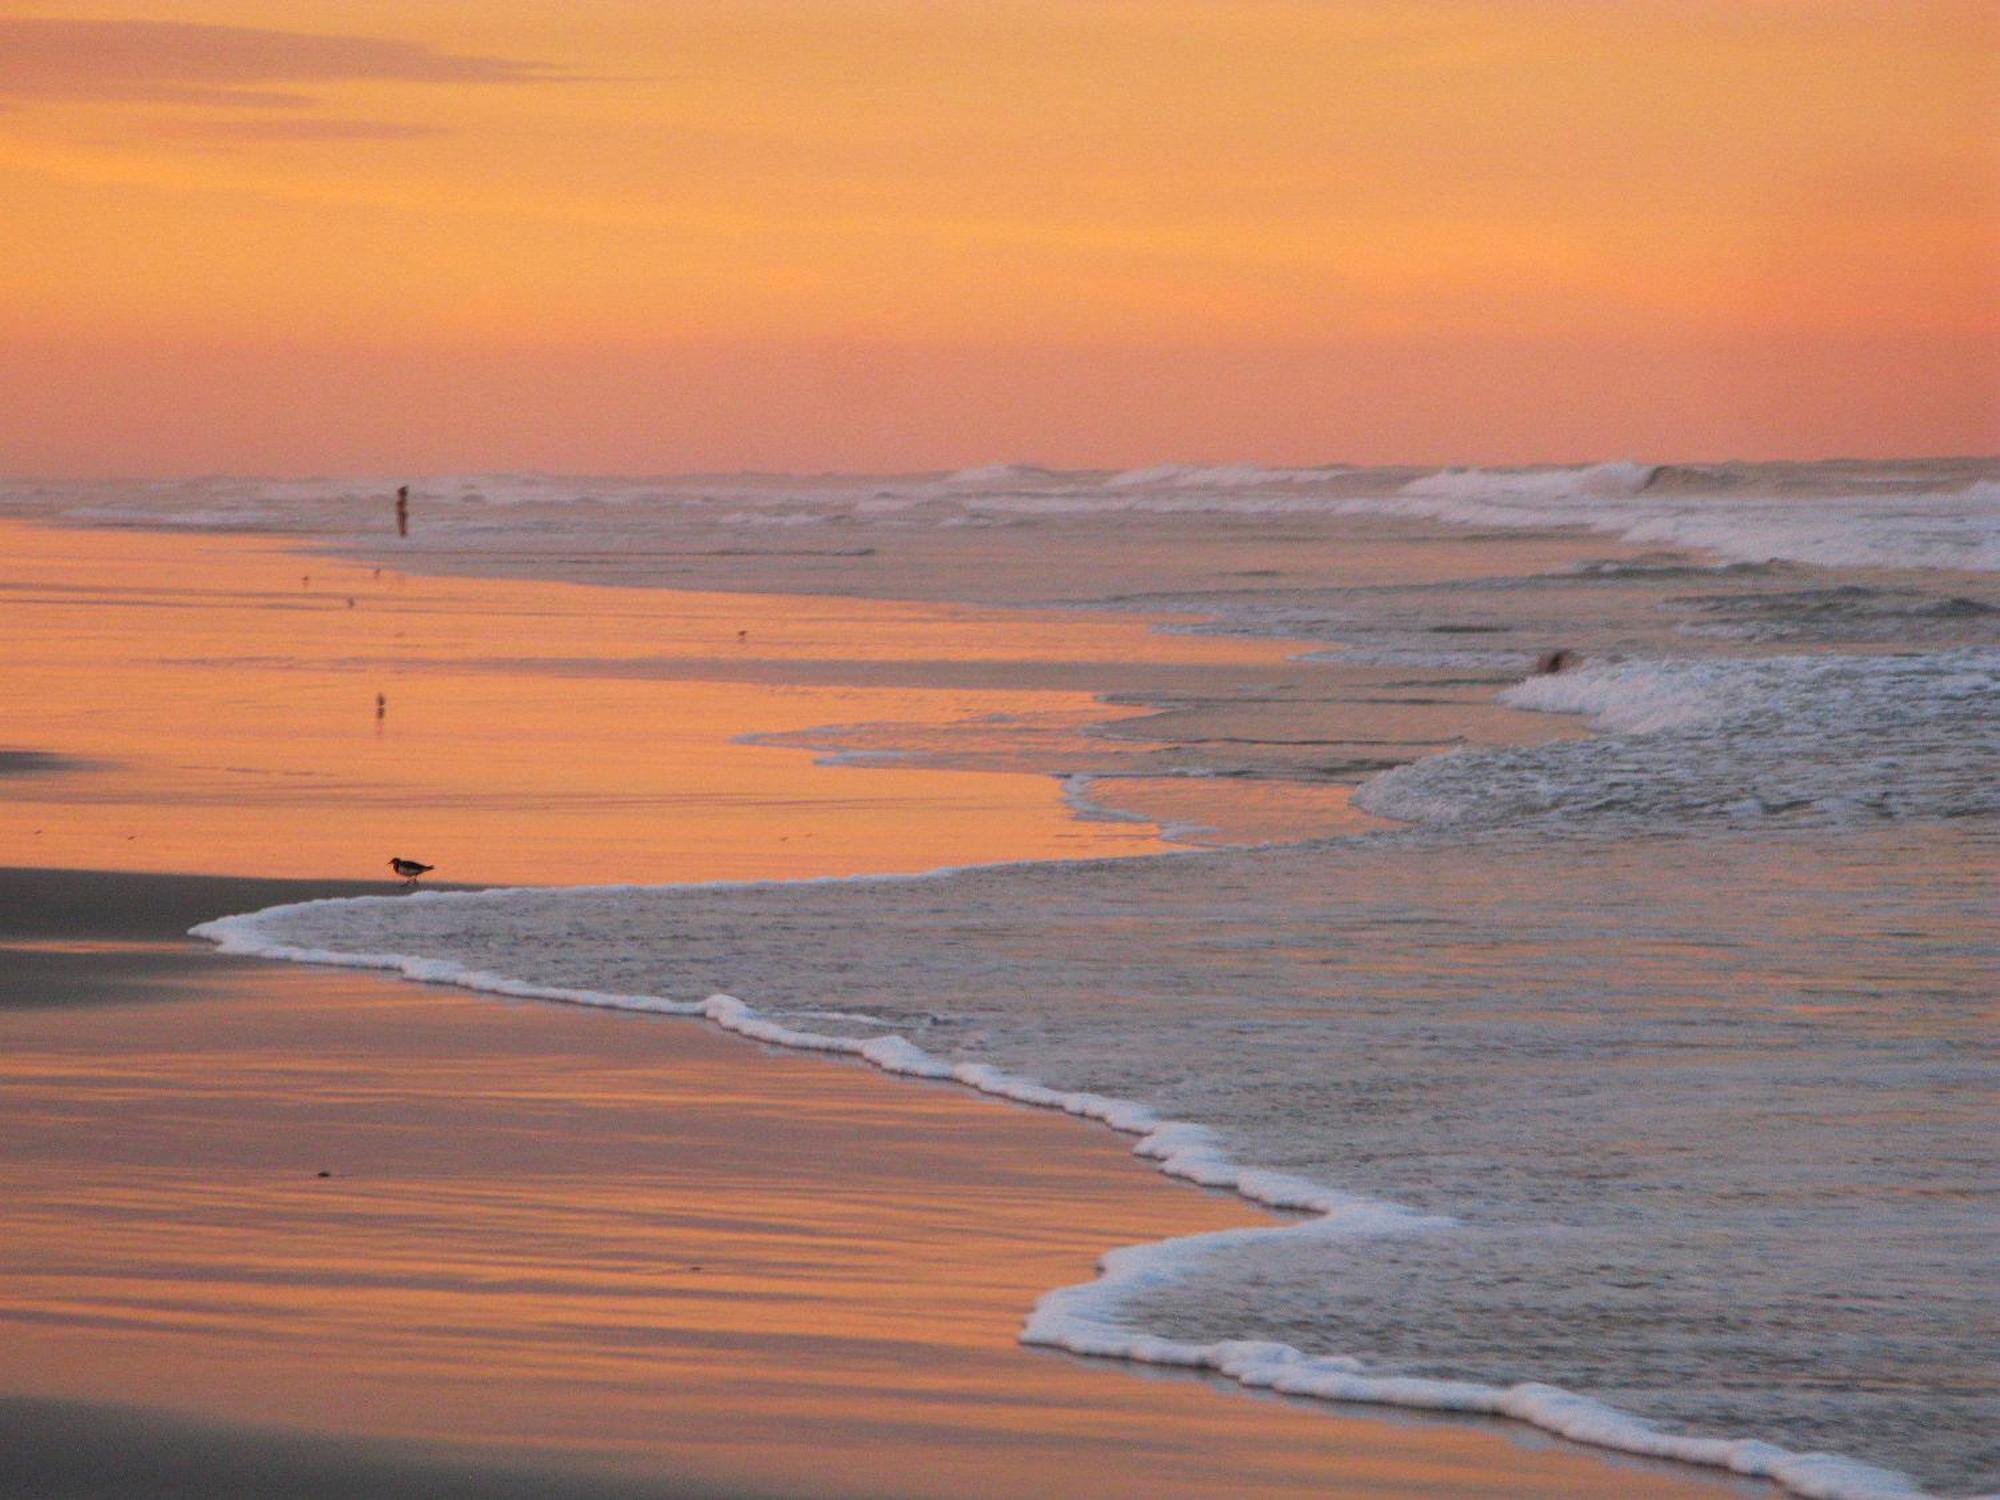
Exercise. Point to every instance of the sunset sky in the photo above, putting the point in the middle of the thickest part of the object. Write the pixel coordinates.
(423, 235)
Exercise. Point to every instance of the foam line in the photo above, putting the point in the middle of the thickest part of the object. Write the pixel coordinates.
(1076, 795)
(1082, 1319)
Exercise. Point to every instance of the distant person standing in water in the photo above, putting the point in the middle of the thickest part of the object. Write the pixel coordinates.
(402, 510)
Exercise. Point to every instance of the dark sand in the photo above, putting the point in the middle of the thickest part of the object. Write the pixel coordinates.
(571, 1253)
(81, 1450)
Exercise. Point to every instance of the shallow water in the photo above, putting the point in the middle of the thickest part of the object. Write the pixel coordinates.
(1680, 1026)
(1713, 1114)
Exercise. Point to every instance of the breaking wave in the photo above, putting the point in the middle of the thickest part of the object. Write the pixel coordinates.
(1827, 738)
(1941, 515)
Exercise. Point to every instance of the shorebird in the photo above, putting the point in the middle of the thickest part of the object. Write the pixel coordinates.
(409, 869)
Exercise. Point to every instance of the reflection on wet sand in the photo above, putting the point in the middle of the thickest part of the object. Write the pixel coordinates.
(630, 1245)
(228, 702)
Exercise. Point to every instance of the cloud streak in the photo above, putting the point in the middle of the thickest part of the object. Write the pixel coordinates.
(263, 128)
(233, 67)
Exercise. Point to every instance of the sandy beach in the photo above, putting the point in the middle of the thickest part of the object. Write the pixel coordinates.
(637, 1255)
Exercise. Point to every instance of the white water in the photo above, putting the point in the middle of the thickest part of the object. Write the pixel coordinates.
(1088, 1319)
(1828, 738)
(1919, 515)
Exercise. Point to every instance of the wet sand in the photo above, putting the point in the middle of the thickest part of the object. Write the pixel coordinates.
(632, 1251)
(85, 1450)
(215, 703)
(186, 703)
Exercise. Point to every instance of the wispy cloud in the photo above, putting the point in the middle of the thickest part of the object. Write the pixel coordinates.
(261, 128)
(234, 67)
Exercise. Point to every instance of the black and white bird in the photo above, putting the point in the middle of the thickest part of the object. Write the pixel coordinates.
(409, 869)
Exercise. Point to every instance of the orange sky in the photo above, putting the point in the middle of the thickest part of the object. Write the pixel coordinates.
(388, 235)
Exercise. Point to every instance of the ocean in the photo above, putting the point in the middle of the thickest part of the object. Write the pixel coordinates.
(1615, 1040)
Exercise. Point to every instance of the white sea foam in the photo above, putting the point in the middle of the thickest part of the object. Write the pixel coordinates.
(1643, 697)
(1215, 477)
(998, 477)
(774, 518)
(1077, 794)
(1180, 1149)
(1617, 480)
(1830, 738)
(201, 518)
(1085, 1319)
(1955, 528)
(1951, 526)
(1896, 518)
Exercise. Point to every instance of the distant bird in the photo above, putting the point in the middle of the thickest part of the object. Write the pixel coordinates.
(409, 869)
